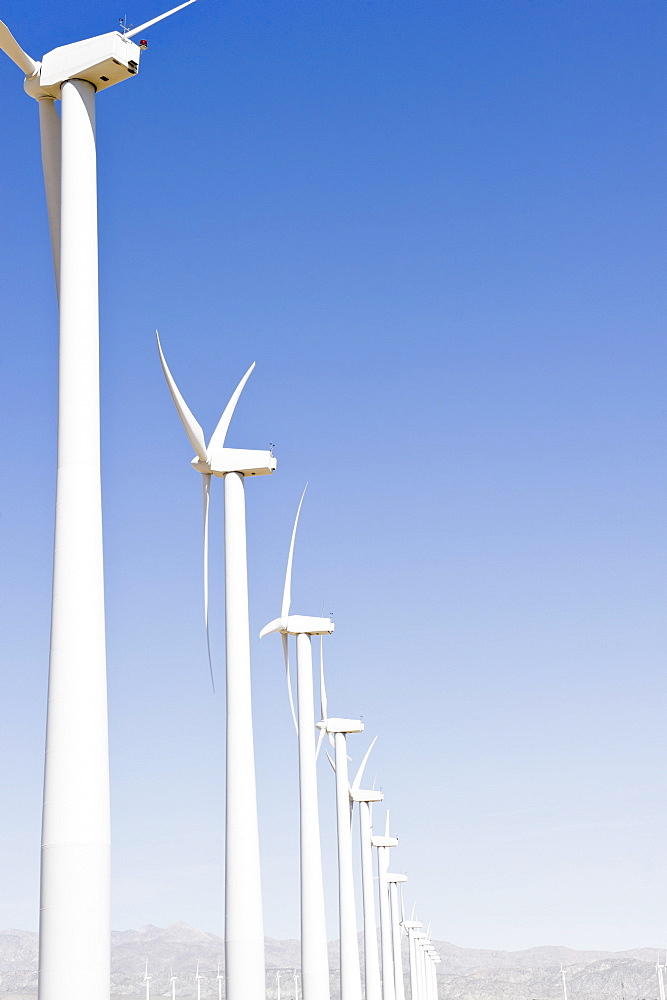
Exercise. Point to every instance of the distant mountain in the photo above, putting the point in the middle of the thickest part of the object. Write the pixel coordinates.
(465, 973)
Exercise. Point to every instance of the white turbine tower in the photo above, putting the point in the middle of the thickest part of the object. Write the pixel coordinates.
(660, 969)
(244, 927)
(350, 973)
(383, 845)
(278, 983)
(314, 956)
(147, 980)
(412, 926)
(219, 979)
(198, 979)
(365, 798)
(75, 864)
(393, 881)
(562, 972)
(172, 983)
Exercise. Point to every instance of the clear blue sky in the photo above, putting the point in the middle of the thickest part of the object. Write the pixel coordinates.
(438, 227)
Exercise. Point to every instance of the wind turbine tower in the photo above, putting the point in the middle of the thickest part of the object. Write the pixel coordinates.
(412, 926)
(147, 980)
(366, 798)
(393, 880)
(562, 972)
(198, 978)
(660, 969)
(314, 953)
(350, 973)
(172, 983)
(383, 845)
(75, 863)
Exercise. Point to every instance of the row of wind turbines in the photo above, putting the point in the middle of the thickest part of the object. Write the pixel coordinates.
(75, 857)
(383, 968)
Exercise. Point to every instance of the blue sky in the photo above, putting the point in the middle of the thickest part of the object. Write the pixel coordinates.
(438, 227)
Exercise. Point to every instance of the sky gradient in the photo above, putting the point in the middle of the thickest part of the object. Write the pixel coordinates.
(439, 229)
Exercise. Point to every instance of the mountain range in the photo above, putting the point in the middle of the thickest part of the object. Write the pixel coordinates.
(465, 973)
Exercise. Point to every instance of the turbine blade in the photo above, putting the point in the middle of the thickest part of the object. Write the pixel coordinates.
(285, 639)
(319, 744)
(11, 47)
(331, 761)
(192, 428)
(357, 781)
(386, 825)
(277, 625)
(217, 442)
(287, 589)
(149, 24)
(206, 497)
(49, 130)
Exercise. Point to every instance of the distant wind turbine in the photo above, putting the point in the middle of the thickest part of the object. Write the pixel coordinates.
(278, 982)
(350, 973)
(244, 926)
(314, 952)
(172, 983)
(660, 969)
(147, 980)
(393, 881)
(383, 845)
(219, 978)
(562, 972)
(365, 798)
(412, 926)
(198, 979)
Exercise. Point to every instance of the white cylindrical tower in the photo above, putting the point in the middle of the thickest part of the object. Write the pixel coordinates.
(399, 982)
(371, 955)
(74, 940)
(388, 984)
(244, 928)
(314, 954)
(350, 974)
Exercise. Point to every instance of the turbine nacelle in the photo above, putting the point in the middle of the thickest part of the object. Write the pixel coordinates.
(365, 795)
(241, 460)
(101, 61)
(391, 877)
(332, 726)
(384, 841)
(298, 625)
(411, 925)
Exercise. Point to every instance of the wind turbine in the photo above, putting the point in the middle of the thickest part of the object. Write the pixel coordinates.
(660, 969)
(660, 981)
(147, 980)
(365, 798)
(412, 926)
(198, 978)
(296, 986)
(314, 954)
(219, 978)
(399, 982)
(172, 983)
(278, 982)
(350, 974)
(244, 927)
(383, 845)
(75, 862)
